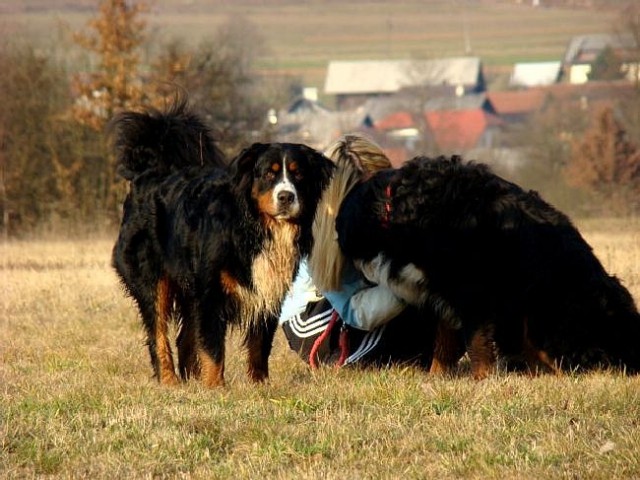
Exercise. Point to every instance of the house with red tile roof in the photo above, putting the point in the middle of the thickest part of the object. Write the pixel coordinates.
(450, 124)
(458, 131)
(396, 121)
(515, 106)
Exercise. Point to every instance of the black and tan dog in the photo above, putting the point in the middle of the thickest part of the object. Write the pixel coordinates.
(500, 266)
(208, 245)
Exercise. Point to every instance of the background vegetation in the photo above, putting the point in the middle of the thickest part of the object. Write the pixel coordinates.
(77, 399)
(76, 66)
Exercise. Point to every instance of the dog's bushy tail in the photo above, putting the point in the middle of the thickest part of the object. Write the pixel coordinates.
(164, 141)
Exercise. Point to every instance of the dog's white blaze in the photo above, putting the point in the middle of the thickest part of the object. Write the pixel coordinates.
(285, 185)
(411, 273)
(410, 285)
(272, 273)
(375, 270)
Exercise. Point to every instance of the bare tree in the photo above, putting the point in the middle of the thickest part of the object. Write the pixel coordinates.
(606, 163)
(220, 79)
(115, 36)
(33, 91)
(606, 66)
(628, 25)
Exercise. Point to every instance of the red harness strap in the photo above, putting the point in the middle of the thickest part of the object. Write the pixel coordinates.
(386, 214)
(344, 346)
(343, 343)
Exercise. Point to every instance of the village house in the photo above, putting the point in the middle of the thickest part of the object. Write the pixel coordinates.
(583, 50)
(535, 74)
(354, 82)
(443, 106)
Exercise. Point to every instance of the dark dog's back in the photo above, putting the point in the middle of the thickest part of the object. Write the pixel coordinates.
(496, 256)
(210, 245)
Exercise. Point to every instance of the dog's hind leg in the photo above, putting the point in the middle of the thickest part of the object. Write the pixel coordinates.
(211, 368)
(481, 352)
(210, 345)
(148, 314)
(447, 349)
(537, 360)
(259, 340)
(163, 304)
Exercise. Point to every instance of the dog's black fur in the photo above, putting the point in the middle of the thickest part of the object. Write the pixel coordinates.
(209, 245)
(497, 262)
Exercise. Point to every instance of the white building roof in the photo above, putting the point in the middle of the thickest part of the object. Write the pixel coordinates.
(535, 73)
(389, 76)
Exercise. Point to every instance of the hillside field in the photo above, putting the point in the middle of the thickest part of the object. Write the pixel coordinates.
(300, 39)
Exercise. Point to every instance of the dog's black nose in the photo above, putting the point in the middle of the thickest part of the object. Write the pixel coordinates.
(286, 198)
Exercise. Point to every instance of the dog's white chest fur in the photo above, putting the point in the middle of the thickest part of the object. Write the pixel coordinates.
(272, 272)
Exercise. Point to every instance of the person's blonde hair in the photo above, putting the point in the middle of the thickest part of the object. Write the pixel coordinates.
(355, 156)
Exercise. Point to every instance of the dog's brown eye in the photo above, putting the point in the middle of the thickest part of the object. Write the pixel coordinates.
(269, 175)
(294, 171)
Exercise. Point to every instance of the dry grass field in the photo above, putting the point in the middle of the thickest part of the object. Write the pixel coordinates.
(77, 400)
(301, 38)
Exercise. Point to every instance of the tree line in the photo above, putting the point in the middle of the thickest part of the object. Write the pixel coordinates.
(57, 171)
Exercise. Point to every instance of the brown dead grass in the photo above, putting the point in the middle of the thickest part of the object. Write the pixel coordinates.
(77, 400)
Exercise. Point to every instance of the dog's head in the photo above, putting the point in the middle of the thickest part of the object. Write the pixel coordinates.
(283, 181)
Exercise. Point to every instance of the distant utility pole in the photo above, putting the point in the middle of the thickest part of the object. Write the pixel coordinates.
(465, 32)
(389, 30)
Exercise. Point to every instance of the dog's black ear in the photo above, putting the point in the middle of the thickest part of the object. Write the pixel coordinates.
(243, 164)
(321, 165)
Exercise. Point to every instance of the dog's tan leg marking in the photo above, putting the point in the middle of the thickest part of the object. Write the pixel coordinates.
(447, 349)
(544, 358)
(212, 372)
(228, 282)
(438, 367)
(530, 352)
(167, 374)
(257, 368)
(481, 353)
(536, 359)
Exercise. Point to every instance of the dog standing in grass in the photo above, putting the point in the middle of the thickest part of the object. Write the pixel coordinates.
(207, 245)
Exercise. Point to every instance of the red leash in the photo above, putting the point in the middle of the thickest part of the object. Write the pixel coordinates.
(344, 343)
